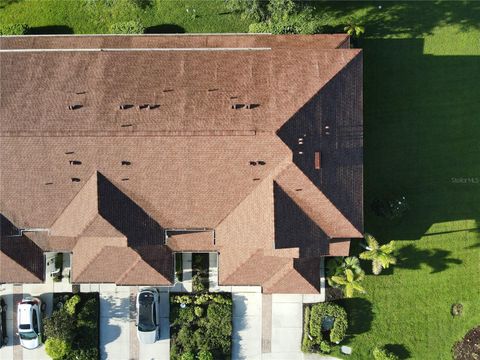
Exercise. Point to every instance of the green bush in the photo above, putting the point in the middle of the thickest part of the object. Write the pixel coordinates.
(261, 27)
(127, 27)
(71, 303)
(87, 316)
(182, 299)
(185, 337)
(187, 356)
(82, 354)
(322, 310)
(380, 353)
(205, 355)
(199, 338)
(325, 347)
(14, 29)
(198, 311)
(60, 326)
(57, 348)
(198, 283)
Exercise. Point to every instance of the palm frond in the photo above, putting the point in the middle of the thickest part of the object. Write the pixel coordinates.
(371, 241)
(388, 248)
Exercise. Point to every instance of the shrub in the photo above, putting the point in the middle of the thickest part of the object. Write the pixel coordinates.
(457, 309)
(187, 356)
(185, 338)
(71, 303)
(60, 326)
(186, 315)
(56, 348)
(307, 343)
(317, 315)
(198, 311)
(127, 27)
(380, 353)
(205, 355)
(14, 29)
(182, 299)
(261, 27)
(198, 285)
(325, 347)
(199, 338)
(87, 315)
(82, 354)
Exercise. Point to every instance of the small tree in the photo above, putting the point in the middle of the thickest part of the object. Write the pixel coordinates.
(346, 275)
(57, 348)
(381, 256)
(205, 355)
(71, 303)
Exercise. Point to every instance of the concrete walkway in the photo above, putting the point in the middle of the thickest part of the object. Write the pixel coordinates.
(247, 325)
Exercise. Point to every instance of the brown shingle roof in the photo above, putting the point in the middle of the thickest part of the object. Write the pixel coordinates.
(108, 182)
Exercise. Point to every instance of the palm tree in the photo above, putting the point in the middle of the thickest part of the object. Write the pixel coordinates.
(382, 256)
(349, 282)
(346, 274)
(354, 29)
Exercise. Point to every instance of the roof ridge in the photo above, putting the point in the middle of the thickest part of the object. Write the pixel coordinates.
(270, 177)
(241, 264)
(90, 262)
(126, 272)
(279, 275)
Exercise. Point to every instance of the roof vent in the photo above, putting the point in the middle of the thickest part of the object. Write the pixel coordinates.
(261, 162)
(126, 125)
(126, 163)
(153, 106)
(75, 180)
(69, 152)
(256, 179)
(125, 179)
(125, 106)
(237, 106)
(74, 106)
(168, 90)
(49, 183)
(142, 106)
(210, 90)
(253, 163)
(298, 189)
(75, 162)
(80, 92)
(326, 128)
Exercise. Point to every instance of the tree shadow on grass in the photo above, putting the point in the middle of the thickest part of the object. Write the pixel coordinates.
(360, 315)
(398, 349)
(410, 257)
(165, 29)
(50, 29)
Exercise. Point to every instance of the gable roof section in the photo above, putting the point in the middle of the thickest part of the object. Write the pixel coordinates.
(315, 204)
(192, 162)
(21, 260)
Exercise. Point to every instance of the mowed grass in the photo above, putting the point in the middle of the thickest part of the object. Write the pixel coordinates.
(96, 16)
(422, 130)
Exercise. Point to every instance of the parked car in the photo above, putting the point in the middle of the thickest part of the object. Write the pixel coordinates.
(29, 320)
(3, 323)
(147, 315)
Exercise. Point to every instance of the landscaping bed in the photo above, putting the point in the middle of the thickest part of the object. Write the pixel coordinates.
(469, 347)
(200, 265)
(72, 331)
(325, 326)
(200, 326)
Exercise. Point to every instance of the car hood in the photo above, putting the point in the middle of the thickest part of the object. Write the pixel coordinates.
(147, 337)
(30, 344)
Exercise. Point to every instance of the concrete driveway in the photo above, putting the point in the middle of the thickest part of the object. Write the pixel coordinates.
(247, 325)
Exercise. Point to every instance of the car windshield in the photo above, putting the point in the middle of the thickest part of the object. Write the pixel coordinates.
(145, 312)
(28, 335)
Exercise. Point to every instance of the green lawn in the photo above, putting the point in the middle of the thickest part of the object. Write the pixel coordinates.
(422, 140)
(96, 16)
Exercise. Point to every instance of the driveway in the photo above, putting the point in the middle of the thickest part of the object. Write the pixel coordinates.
(247, 325)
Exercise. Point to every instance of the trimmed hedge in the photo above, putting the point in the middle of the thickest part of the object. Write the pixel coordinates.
(318, 339)
(202, 328)
(380, 353)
